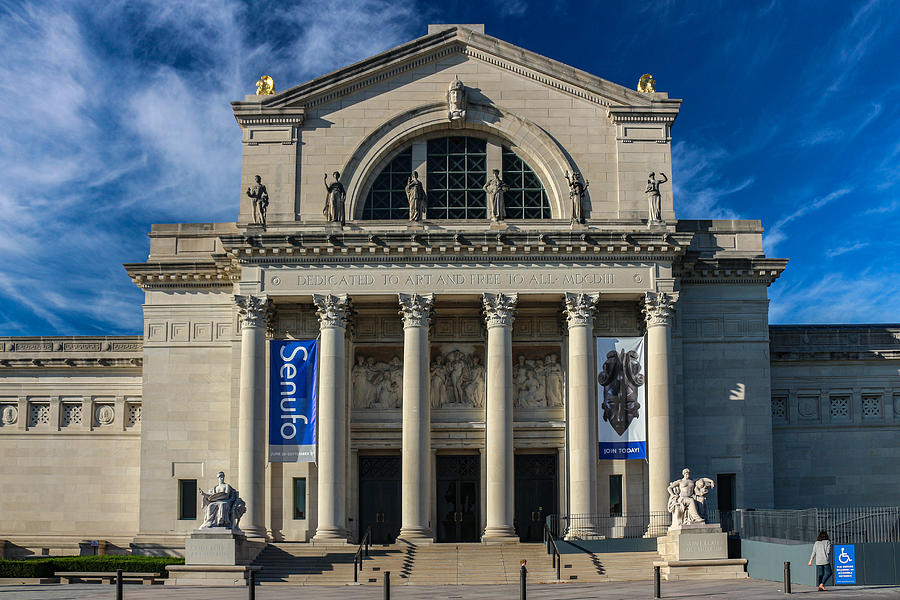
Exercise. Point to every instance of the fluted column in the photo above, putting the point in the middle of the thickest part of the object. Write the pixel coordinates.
(499, 313)
(581, 422)
(416, 312)
(333, 312)
(253, 312)
(658, 311)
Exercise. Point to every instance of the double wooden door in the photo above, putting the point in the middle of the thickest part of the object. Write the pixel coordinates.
(458, 484)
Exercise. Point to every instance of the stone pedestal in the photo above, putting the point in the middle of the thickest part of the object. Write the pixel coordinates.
(216, 556)
(219, 546)
(697, 552)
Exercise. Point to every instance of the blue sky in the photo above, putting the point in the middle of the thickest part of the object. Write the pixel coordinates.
(116, 116)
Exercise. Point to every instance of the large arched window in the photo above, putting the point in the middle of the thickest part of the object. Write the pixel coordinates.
(457, 169)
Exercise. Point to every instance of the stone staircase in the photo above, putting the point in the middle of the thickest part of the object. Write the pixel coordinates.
(444, 564)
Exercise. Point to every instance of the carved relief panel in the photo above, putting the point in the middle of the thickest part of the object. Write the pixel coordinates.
(538, 376)
(457, 376)
(376, 378)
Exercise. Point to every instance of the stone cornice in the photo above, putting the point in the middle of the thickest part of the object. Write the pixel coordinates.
(757, 270)
(433, 247)
(181, 274)
(71, 352)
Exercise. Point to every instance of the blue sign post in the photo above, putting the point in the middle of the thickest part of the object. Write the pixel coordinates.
(844, 564)
(292, 400)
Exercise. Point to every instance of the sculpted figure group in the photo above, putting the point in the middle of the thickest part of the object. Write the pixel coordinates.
(457, 379)
(687, 499)
(538, 383)
(377, 384)
(222, 505)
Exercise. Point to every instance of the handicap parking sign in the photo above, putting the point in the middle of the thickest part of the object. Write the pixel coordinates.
(845, 563)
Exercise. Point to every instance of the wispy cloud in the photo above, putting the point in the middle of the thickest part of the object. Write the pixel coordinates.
(866, 297)
(700, 188)
(117, 117)
(776, 235)
(831, 253)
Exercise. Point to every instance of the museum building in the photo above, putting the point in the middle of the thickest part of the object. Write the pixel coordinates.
(457, 221)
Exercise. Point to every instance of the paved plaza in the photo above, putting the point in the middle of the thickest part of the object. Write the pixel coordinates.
(749, 589)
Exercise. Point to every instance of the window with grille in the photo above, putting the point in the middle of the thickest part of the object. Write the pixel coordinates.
(457, 170)
(779, 408)
(387, 196)
(871, 407)
(840, 408)
(526, 198)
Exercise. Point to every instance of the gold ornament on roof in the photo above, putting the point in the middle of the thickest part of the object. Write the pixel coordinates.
(646, 84)
(265, 86)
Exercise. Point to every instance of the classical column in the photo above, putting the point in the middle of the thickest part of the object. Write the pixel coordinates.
(253, 312)
(334, 313)
(499, 313)
(416, 312)
(658, 310)
(581, 421)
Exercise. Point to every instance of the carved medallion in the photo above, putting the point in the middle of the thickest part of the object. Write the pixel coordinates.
(105, 414)
(621, 377)
(808, 407)
(10, 414)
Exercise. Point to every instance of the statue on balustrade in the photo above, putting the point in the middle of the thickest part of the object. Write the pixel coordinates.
(223, 506)
(576, 195)
(418, 199)
(621, 377)
(687, 499)
(260, 196)
(334, 202)
(495, 188)
(653, 196)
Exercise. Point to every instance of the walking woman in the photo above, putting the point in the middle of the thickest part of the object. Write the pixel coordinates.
(822, 555)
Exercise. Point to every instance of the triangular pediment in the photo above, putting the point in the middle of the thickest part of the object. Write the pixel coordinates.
(474, 44)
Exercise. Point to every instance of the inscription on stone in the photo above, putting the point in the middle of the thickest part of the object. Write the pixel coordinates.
(459, 279)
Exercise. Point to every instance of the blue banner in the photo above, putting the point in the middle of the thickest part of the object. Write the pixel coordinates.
(845, 563)
(621, 398)
(293, 373)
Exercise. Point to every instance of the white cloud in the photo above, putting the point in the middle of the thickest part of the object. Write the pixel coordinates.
(699, 186)
(117, 115)
(867, 297)
(776, 234)
(832, 252)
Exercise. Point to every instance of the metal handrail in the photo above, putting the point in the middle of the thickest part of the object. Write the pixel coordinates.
(358, 557)
(553, 550)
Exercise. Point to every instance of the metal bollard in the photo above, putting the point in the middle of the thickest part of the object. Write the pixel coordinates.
(355, 575)
(251, 589)
(787, 577)
(522, 578)
(387, 585)
(119, 591)
(657, 588)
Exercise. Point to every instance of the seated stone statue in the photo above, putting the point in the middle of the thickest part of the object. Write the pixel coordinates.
(224, 507)
(687, 499)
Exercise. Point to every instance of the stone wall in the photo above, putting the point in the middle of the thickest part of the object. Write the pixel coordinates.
(835, 412)
(70, 426)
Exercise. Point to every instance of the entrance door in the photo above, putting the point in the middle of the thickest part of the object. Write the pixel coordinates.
(536, 494)
(458, 481)
(379, 497)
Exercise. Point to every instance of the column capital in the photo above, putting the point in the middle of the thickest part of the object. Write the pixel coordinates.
(254, 311)
(416, 309)
(658, 308)
(333, 310)
(499, 309)
(580, 308)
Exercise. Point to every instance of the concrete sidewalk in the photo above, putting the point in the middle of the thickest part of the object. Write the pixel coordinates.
(746, 589)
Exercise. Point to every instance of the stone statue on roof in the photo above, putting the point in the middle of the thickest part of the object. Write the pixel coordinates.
(334, 202)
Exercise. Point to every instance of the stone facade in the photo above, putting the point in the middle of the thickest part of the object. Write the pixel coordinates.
(493, 354)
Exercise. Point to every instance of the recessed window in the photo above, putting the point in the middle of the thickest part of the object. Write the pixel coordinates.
(187, 499)
(299, 498)
(455, 172)
(615, 495)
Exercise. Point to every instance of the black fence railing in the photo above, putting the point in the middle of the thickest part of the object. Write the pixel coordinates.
(850, 525)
